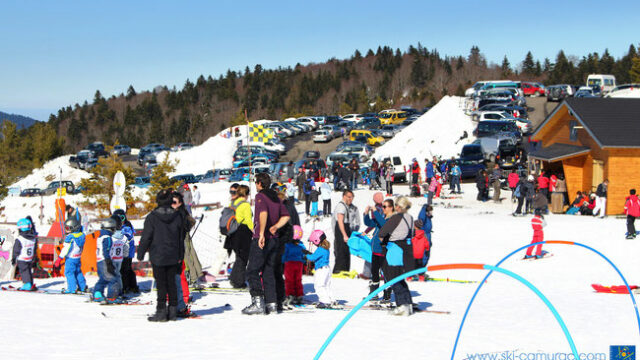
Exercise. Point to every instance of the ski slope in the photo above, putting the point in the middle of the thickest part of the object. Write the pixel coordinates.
(506, 315)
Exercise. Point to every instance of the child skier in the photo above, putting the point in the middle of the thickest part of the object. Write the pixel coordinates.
(322, 276)
(293, 259)
(537, 223)
(632, 209)
(314, 194)
(71, 253)
(128, 277)
(105, 264)
(24, 252)
(325, 192)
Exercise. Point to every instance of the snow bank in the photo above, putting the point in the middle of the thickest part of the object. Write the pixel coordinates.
(50, 171)
(216, 152)
(436, 133)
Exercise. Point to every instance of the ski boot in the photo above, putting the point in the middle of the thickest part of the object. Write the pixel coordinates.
(173, 313)
(256, 307)
(271, 308)
(298, 300)
(321, 305)
(373, 286)
(184, 313)
(539, 257)
(402, 310)
(527, 257)
(28, 287)
(159, 316)
(288, 302)
(97, 296)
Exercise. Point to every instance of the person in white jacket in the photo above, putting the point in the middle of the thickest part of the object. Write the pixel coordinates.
(325, 194)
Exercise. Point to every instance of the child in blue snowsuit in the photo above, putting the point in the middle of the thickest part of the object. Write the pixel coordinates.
(293, 260)
(71, 253)
(104, 263)
(24, 252)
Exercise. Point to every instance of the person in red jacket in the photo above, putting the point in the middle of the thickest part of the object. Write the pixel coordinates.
(415, 171)
(553, 180)
(543, 184)
(537, 223)
(632, 209)
(513, 179)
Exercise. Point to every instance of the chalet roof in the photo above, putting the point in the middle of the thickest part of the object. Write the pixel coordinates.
(558, 151)
(612, 122)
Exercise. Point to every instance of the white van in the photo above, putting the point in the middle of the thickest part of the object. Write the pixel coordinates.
(606, 82)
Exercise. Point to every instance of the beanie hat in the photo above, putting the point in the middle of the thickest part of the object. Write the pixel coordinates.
(164, 197)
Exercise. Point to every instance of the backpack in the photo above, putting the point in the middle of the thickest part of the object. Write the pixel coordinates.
(516, 192)
(306, 188)
(228, 222)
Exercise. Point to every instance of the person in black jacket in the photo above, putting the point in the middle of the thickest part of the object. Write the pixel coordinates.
(163, 237)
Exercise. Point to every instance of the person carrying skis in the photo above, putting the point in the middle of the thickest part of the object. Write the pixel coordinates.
(632, 209)
(71, 254)
(537, 223)
(24, 252)
(322, 275)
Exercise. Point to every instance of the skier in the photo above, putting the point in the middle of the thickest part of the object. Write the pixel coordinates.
(104, 263)
(71, 254)
(325, 192)
(425, 224)
(632, 209)
(456, 173)
(322, 275)
(307, 187)
(313, 196)
(537, 223)
(293, 259)
(415, 171)
(24, 252)
(128, 276)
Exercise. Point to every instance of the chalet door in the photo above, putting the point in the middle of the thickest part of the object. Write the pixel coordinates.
(598, 174)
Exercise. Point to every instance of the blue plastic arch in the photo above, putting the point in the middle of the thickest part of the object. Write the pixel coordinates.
(421, 270)
(635, 306)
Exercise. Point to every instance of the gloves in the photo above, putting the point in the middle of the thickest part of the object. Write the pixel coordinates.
(110, 268)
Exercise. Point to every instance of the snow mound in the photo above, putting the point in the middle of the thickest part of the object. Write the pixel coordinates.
(436, 133)
(50, 171)
(216, 152)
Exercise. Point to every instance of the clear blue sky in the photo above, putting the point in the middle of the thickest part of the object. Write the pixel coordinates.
(57, 53)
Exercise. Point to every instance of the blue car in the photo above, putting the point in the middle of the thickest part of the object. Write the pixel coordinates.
(239, 174)
(255, 160)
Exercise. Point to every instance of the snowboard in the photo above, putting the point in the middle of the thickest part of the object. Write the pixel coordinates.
(614, 289)
(7, 240)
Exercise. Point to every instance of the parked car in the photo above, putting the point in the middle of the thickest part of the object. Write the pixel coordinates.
(559, 92)
(399, 168)
(585, 92)
(272, 145)
(605, 82)
(388, 131)
(352, 117)
(55, 185)
(182, 146)
(254, 159)
(532, 89)
(499, 147)
(120, 150)
(142, 181)
(184, 179)
(30, 192)
(311, 154)
(84, 159)
(243, 151)
(368, 122)
(279, 171)
(494, 127)
(348, 144)
(309, 121)
(393, 117)
(239, 174)
(98, 149)
(472, 152)
(150, 149)
(357, 152)
(322, 136)
(339, 157)
(369, 137)
(334, 131)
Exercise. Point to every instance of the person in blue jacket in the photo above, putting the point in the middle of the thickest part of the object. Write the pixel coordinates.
(24, 252)
(425, 215)
(71, 254)
(106, 269)
(375, 218)
(428, 169)
(322, 275)
(129, 281)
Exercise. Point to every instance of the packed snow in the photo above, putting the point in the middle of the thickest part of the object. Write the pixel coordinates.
(437, 132)
(50, 171)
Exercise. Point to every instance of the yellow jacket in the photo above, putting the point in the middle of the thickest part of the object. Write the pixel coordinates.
(243, 212)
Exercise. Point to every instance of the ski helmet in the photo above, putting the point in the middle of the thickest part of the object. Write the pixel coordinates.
(317, 236)
(121, 214)
(24, 225)
(72, 225)
(108, 224)
(118, 221)
(297, 232)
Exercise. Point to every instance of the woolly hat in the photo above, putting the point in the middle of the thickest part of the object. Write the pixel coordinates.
(164, 197)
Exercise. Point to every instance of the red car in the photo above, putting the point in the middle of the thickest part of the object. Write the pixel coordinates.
(532, 89)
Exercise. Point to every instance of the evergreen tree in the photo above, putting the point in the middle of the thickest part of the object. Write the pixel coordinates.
(131, 92)
(605, 66)
(505, 67)
(370, 53)
(538, 70)
(357, 55)
(418, 76)
(528, 65)
(97, 98)
(634, 72)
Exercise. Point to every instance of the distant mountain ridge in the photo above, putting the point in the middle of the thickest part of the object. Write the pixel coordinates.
(22, 122)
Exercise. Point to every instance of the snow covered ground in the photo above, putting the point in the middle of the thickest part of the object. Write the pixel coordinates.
(506, 315)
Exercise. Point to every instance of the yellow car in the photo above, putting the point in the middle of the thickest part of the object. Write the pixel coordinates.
(371, 139)
(393, 117)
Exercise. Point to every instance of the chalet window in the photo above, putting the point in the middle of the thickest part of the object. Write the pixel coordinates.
(573, 132)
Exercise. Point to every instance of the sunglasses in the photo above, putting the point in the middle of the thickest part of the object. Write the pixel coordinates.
(385, 206)
(175, 202)
(232, 192)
